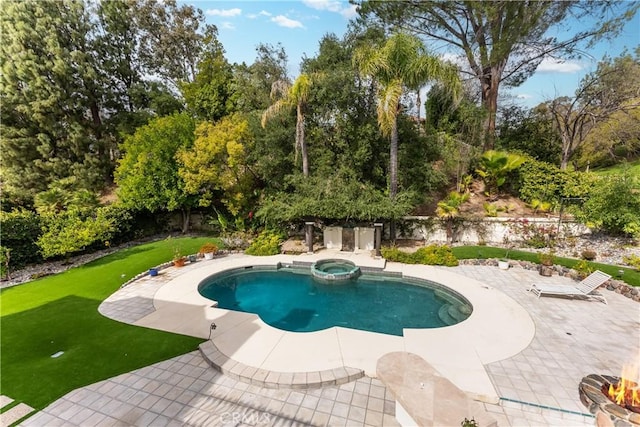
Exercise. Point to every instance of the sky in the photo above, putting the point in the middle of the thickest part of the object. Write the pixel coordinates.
(300, 24)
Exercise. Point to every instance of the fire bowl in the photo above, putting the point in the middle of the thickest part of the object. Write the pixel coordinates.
(593, 389)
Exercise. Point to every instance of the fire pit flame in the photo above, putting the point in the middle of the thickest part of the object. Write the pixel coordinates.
(615, 401)
(625, 393)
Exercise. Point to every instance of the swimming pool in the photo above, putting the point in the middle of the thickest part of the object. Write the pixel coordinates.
(291, 299)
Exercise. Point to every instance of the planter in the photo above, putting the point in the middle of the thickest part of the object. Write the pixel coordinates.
(208, 255)
(192, 258)
(503, 264)
(546, 270)
(180, 262)
(153, 272)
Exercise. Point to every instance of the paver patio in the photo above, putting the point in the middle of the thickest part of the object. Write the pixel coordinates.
(536, 386)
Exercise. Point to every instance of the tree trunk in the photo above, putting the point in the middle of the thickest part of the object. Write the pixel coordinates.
(393, 173)
(186, 217)
(301, 141)
(490, 83)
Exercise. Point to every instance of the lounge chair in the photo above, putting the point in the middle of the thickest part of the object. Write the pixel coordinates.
(582, 289)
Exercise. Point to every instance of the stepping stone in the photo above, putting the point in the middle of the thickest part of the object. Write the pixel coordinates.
(5, 400)
(14, 414)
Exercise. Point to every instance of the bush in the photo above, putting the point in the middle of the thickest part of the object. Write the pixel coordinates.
(588, 254)
(5, 256)
(583, 268)
(20, 231)
(428, 255)
(614, 206)
(71, 231)
(267, 243)
(540, 181)
(633, 261)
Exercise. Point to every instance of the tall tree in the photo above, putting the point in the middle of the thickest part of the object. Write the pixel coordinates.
(252, 84)
(216, 166)
(342, 123)
(147, 174)
(401, 62)
(51, 114)
(210, 95)
(172, 39)
(503, 42)
(289, 96)
(613, 87)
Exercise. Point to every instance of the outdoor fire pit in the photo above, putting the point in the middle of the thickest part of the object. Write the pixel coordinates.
(615, 401)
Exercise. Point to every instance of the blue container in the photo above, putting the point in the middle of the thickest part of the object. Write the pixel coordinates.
(153, 272)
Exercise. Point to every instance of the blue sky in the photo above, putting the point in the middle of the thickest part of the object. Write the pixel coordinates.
(299, 25)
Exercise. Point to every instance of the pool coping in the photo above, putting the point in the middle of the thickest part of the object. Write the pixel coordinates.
(274, 379)
(498, 327)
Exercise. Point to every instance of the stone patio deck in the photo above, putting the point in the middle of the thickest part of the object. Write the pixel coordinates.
(538, 385)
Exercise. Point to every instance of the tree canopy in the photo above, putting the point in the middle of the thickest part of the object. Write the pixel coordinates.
(502, 42)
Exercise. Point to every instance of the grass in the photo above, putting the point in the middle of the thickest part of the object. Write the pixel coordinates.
(630, 276)
(60, 312)
(633, 169)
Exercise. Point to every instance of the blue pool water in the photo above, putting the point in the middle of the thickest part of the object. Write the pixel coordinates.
(292, 300)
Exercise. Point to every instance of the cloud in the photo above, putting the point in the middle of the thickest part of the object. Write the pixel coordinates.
(227, 26)
(283, 21)
(256, 15)
(350, 11)
(224, 12)
(333, 6)
(552, 65)
(524, 96)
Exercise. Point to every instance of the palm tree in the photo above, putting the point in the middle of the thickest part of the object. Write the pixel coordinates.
(401, 63)
(292, 95)
(449, 210)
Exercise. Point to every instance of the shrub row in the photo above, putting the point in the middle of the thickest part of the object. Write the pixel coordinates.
(429, 255)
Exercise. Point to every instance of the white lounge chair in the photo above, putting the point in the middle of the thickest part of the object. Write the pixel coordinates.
(582, 289)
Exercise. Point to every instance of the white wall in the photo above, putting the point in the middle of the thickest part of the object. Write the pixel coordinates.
(364, 238)
(489, 230)
(333, 238)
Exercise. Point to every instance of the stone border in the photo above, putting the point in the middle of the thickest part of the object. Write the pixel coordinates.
(272, 379)
(617, 286)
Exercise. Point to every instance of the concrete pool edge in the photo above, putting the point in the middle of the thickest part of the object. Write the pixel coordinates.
(497, 329)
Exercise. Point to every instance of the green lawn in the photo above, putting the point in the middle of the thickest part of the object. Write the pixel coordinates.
(632, 167)
(60, 312)
(630, 276)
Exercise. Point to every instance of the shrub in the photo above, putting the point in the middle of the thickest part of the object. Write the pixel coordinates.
(5, 256)
(495, 166)
(20, 231)
(428, 255)
(71, 231)
(633, 261)
(546, 258)
(394, 254)
(541, 181)
(588, 254)
(614, 206)
(267, 243)
(583, 268)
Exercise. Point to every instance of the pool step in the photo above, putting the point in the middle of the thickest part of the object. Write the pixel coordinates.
(451, 314)
(273, 379)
